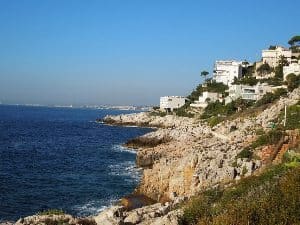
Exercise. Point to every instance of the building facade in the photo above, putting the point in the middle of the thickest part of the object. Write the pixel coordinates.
(292, 68)
(247, 92)
(206, 98)
(226, 70)
(169, 103)
(272, 56)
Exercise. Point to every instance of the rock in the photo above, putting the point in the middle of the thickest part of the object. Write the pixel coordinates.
(133, 218)
(111, 216)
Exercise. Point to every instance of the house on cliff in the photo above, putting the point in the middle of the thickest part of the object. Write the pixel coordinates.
(169, 103)
(206, 98)
(226, 70)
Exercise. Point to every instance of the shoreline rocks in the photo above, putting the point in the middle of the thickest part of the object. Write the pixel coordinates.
(186, 158)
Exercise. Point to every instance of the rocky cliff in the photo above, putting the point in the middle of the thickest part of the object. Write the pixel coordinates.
(187, 156)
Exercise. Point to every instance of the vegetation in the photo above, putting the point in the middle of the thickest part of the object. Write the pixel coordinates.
(268, 199)
(292, 81)
(279, 69)
(248, 71)
(295, 44)
(272, 137)
(158, 113)
(271, 97)
(264, 69)
(273, 81)
(247, 80)
(211, 86)
(204, 73)
(294, 40)
(293, 117)
(216, 112)
(183, 111)
(245, 153)
(272, 47)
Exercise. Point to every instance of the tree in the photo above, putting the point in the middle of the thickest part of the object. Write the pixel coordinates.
(272, 47)
(294, 40)
(204, 73)
(293, 81)
(264, 69)
(279, 69)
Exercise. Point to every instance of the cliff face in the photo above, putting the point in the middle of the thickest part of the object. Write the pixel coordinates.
(196, 155)
(188, 156)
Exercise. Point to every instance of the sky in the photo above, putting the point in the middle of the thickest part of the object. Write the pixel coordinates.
(129, 52)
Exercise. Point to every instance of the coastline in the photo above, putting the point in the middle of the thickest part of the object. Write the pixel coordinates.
(194, 158)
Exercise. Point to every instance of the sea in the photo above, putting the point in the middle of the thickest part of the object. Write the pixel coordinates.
(60, 158)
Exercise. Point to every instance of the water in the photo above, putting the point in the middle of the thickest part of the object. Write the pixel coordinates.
(60, 158)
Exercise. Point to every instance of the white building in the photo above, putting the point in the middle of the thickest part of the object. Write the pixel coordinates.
(272, 56)
(226, 70)
(169, 103)
(292, 68)
(247, 92)
(206, 98)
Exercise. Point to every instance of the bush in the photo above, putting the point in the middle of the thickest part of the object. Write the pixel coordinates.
(272, 137)
(214, 120)
(293, 115)
(245, 153)
(158, 113)
(183, 111)
(271, 97)
(209, 86)
(264, 69)
(247, 80)
(292, 81)
(268, 199)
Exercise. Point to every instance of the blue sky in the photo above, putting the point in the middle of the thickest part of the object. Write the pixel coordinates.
(128, 52)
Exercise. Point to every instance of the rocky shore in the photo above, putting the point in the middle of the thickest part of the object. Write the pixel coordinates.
(183, 157)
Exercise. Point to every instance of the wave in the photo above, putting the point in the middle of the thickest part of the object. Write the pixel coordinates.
(94, 207)
(127, 170)
(120, 148)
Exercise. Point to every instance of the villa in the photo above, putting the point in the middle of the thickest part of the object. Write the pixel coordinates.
(272, 56)
(169, 103)
(292, 68)
(206, 98)
(226, 70)
(247, 92)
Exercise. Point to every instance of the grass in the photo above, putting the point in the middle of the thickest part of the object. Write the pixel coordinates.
(270, 138)
(268, 199)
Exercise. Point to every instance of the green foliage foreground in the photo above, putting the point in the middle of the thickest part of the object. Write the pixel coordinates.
(270, 198)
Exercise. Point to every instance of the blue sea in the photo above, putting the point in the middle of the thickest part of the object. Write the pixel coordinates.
(61, 158)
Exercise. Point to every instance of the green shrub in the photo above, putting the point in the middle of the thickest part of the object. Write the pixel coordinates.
(292, 81)
(272, 137)
(245, 153)
(158, 113)
(247, 80)
(211, 86)
(183, 111)
(264, 69)
(214, 120)
(271, 97)
(268, 199)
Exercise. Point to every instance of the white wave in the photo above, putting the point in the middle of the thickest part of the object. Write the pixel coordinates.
(94, 207)
(126, 169)
(120, 148)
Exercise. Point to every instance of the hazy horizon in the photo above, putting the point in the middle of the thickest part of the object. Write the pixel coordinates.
(128, 52)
